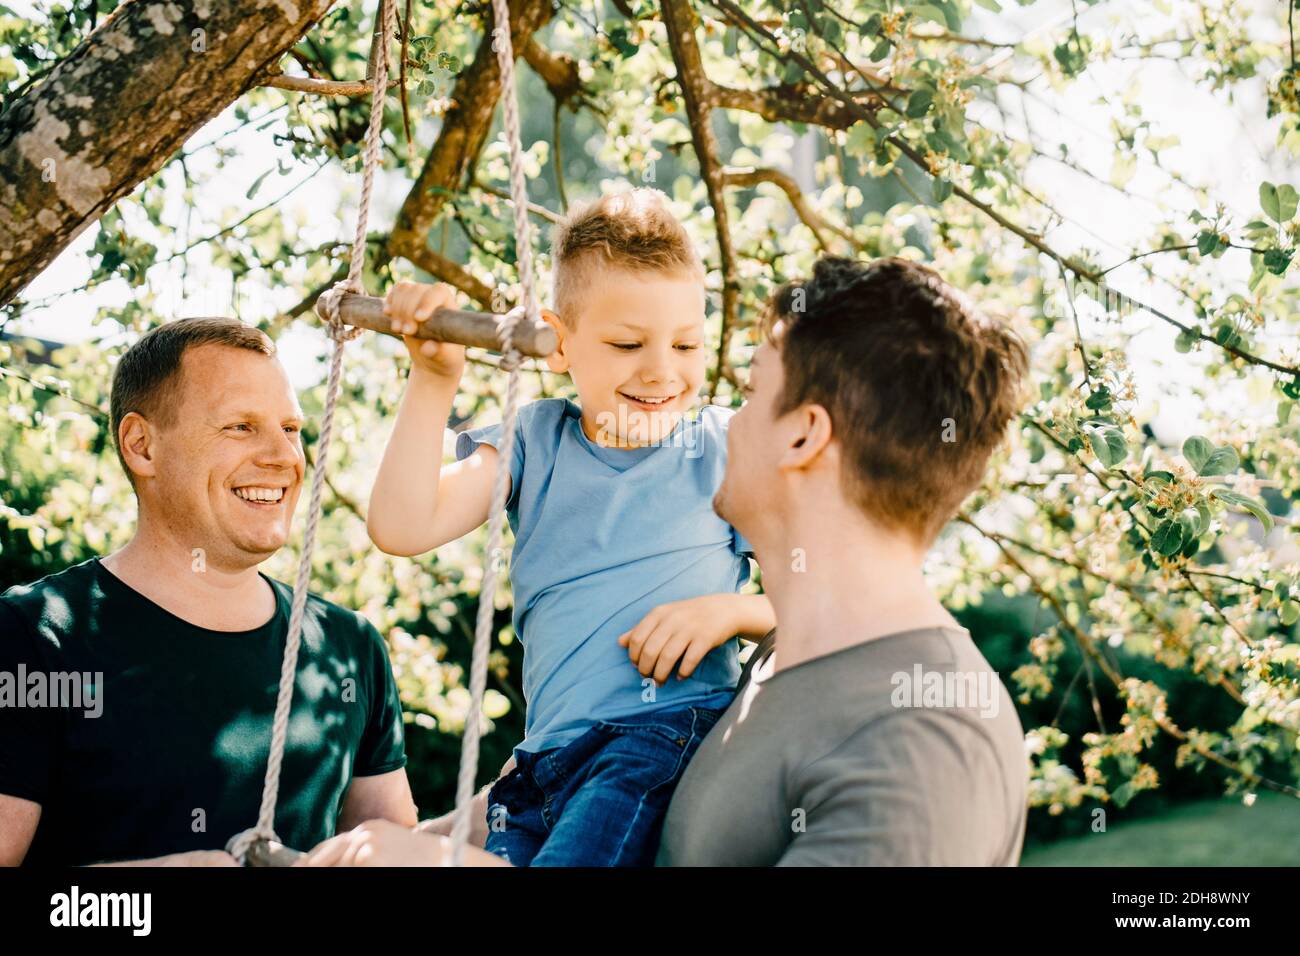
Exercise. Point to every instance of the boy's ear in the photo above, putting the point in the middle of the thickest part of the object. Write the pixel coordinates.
(557, 361)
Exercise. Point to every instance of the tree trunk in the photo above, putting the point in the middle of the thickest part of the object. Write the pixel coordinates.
(113, 112)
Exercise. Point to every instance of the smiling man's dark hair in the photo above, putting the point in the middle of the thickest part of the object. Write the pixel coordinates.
(148, 376)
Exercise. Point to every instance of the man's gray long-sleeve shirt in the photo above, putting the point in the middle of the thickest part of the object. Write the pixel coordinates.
(903, 750)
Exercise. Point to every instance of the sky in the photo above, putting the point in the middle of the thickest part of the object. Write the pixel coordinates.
(1215, 147)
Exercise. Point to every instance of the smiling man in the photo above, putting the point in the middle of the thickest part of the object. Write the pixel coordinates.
(184, 638)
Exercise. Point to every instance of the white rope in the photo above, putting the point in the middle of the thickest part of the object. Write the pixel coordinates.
(327, 308)
(504, 47)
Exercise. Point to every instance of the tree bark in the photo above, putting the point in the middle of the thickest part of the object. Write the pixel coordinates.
(122, 103)
(465, 129)
(697, 92)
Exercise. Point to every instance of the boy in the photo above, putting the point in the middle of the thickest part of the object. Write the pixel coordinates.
(616, 542)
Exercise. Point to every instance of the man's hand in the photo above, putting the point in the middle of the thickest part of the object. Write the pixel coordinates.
(442, 826)
(410, 303)
(192, 858)
(384, 843)
(680, 634)
(199, 858)
(378, 843)
(478, 813)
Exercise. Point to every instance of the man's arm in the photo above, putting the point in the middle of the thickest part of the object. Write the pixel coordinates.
(478, 811)
(385, 796)
(919, 788)
(18, 820)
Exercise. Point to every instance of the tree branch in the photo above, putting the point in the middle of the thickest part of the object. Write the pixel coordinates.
(452, 273)
(306, 84)
(558, 71)
(465, 128)
(1036, 241)
(784, 104)
(679, 21)
(65, 158)
(750, 176)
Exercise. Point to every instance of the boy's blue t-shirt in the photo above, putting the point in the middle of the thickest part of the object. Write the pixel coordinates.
(602, 537)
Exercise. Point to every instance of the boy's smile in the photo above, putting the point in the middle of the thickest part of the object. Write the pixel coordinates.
(637, 354)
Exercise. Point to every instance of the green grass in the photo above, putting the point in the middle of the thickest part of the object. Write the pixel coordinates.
(1205, 833)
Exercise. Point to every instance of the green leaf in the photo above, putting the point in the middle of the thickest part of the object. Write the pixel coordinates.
(1108, 444)
(1168, 537)
(928, 11)
(1270, 202)
(919, 103)
(990, 5)
(1223, 461)
(1242, 502)
(942, 189)
(861, 139)
(1186, 339)
(1207, 242)
(951, 15)
(1289, 612)
(1203, 518)
(1197, 451)
(1071, 58)
(1036, 447)
(1284, 412)
(1277, 260)
(1226, 334)
(1100, 399)
(1287, 199)
(257, 183)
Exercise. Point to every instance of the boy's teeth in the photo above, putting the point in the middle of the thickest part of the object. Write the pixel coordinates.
(260, 494)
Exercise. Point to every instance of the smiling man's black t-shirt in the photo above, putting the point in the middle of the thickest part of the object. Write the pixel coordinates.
(175, 757)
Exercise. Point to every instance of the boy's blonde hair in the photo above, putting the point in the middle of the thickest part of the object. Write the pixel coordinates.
(632, 230)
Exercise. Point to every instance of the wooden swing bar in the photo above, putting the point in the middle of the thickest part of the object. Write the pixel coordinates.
(476, 329)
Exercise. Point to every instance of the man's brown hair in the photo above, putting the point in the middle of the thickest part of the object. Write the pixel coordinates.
(148, 375)
(633, 230)
(919, 385)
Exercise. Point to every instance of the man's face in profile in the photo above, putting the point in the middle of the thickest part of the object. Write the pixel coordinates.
(749, 487)
(230, 463)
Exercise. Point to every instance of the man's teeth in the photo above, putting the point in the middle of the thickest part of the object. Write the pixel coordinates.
(651, 401)
(260, 494)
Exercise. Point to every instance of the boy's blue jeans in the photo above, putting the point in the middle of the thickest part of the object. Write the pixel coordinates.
(600, 800)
